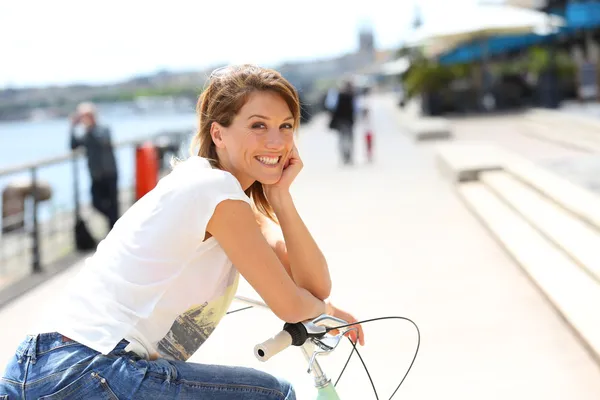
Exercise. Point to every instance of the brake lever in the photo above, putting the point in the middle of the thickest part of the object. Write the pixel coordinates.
(314, 330)
(317, 328)
(329, 321)
(326, 344)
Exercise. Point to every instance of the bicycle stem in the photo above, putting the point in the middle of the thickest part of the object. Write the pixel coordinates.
(319, 376)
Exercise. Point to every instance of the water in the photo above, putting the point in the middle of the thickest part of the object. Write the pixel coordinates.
(25, 142)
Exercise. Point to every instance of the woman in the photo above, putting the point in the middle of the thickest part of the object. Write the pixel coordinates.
(162, 279)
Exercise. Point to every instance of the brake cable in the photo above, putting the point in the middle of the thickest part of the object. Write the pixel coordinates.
(354, 349)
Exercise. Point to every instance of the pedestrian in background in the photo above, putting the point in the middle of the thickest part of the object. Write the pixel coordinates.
(101, 160)
(369, 137)
(343, 107)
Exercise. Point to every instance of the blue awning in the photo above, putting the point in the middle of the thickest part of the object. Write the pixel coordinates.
(495, 46)
(577, 16)
(583, 15)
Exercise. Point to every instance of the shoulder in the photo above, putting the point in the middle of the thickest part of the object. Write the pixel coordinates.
(196, 175)
(101, 131)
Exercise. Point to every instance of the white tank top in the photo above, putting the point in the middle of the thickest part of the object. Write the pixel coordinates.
(153, 281)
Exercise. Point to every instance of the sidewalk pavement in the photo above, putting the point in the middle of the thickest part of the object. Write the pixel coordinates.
(399, 242)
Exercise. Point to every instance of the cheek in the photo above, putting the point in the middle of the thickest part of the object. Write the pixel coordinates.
(244, 147)
(235, 142)
(290, 142)
(253, 142)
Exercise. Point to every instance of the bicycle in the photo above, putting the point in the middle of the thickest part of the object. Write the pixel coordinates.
(314, 340)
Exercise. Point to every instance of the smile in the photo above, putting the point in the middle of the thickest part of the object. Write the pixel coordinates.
(269, 161)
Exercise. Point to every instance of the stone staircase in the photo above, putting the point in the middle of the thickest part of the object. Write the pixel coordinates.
(550, 227)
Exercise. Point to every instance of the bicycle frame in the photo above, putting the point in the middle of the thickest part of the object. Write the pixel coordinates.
(325, 389)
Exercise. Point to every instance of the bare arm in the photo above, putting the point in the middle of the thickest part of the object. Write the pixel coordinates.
(306, 263)
(234, 226)
(274, 236)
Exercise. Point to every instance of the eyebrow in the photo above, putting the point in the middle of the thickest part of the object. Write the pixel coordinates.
(267, 118)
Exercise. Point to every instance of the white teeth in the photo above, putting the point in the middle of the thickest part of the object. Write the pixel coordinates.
(268, 160)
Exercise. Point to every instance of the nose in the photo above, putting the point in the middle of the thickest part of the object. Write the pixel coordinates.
(274, 140)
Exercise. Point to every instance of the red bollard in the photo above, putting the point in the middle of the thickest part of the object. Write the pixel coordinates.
(146, 171)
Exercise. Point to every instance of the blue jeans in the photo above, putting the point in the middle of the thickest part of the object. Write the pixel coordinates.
(346, 137)
(50, 366)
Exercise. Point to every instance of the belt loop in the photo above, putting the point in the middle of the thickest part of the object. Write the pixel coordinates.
(23, 349)
(32, 349)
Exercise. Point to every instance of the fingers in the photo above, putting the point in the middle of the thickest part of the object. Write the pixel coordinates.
(353, 336)
(357, 336)
(294, 154)
(361, 335)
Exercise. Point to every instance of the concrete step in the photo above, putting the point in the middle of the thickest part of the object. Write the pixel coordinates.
(569, 289)
(576, 238)
(586, 125)
(577, 131)
(572, 197)
(463, 162)
(559, 135)
(426, 129)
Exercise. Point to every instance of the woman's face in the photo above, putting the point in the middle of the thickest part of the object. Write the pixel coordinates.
(257, 144)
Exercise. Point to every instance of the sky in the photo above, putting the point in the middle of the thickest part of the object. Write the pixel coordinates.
(45, 42)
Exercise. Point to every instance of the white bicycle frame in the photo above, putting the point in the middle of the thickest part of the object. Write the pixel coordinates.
(314, 347)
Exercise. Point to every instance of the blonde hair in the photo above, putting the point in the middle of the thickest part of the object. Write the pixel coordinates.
(227, 91)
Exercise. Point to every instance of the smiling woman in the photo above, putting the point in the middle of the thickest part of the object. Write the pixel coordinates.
(165, 275)
(254, 146)
(243, 93)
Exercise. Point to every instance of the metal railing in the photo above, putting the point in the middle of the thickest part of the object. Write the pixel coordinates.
(34, 228)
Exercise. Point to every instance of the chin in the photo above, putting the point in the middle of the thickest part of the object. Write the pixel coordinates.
(268, 179)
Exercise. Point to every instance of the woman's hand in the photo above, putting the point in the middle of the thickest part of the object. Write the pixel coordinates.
(291, 169)
(353, 335)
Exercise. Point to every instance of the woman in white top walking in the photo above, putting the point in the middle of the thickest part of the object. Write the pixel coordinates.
(165, 275)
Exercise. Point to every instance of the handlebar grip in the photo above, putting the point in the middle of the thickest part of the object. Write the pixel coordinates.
(276, 344)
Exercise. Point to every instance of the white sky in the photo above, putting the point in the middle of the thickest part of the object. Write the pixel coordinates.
(64, 41)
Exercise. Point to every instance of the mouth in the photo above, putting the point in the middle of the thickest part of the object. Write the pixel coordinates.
(269, 161)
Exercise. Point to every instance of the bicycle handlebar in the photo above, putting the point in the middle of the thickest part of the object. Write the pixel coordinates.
(267, 349)
(295, 334)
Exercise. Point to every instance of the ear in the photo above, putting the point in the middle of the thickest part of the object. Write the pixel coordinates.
(216, 133)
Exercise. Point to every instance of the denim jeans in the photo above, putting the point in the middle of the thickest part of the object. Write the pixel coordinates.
(50, 366)
(346, 141)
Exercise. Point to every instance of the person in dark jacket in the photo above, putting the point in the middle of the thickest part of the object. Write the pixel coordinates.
(343, 114)
(101, 161)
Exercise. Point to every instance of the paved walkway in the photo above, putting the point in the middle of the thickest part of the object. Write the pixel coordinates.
(508, 131)
(577, 166)
(399, 242)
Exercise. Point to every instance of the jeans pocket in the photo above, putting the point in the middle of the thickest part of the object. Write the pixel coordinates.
(90, 386)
